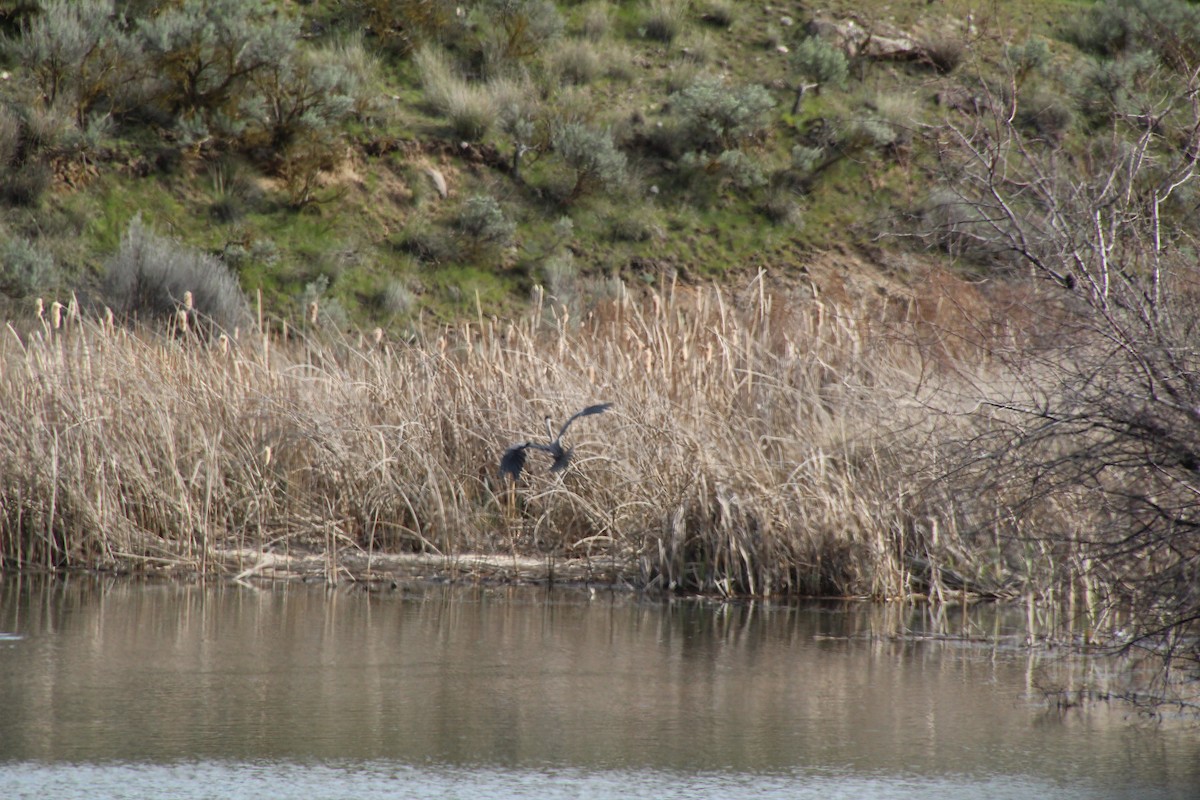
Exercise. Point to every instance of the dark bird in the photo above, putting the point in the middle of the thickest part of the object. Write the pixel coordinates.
(513, 460)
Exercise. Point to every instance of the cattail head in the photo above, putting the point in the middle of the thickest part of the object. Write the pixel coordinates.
(187, 300)
(56, 314)
(313, 312)
(40, 307)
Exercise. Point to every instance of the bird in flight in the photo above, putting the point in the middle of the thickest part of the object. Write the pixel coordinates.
(513, 460)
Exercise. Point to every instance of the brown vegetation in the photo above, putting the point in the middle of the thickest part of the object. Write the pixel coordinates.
(758, 444)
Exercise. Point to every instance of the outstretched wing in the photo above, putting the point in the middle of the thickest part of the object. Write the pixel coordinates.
(587, 412)
(513, 461)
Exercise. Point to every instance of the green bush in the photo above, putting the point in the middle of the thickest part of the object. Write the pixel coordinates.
(303, 94)
(597, 19)
(805, 159)
(1045, 113)
(26, 184)
(1116, 87)
(561, 276)
(593, 157)
(1168, 28)
(781, 206)
(818, 61)
(10, 136)
(713, 117)
(206, 54)
(397, 299)
(29, 139)
(1028, 58)
(24, 267)
(635, 223)
(709, 175)
(483, 224)
(518, 122)
(77, 54)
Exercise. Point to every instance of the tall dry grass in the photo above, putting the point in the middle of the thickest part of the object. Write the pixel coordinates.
(757, 444)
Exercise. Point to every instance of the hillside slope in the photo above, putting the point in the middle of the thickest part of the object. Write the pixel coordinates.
(361, 154)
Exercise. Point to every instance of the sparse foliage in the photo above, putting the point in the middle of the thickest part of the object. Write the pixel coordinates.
(710, 174)
(518, 30)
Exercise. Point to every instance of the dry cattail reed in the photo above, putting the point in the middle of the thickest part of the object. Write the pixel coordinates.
(755, 446)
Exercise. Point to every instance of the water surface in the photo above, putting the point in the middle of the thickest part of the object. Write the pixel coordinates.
(128, 689)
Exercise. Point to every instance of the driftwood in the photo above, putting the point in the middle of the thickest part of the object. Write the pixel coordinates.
(360, 566)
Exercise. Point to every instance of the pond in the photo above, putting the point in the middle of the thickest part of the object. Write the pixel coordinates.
(114, 689)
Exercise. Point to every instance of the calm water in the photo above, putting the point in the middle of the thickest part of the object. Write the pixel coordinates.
(125, 689)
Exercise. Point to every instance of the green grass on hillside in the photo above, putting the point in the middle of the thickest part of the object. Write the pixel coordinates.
(370, 224)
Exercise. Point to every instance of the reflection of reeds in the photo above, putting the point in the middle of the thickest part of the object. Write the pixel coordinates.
(754, 446)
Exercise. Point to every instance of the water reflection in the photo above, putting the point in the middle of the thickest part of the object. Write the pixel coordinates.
(520, 678)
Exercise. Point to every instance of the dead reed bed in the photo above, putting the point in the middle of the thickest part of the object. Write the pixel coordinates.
(758, 444)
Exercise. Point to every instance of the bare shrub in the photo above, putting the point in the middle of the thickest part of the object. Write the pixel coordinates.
(1102, 414)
